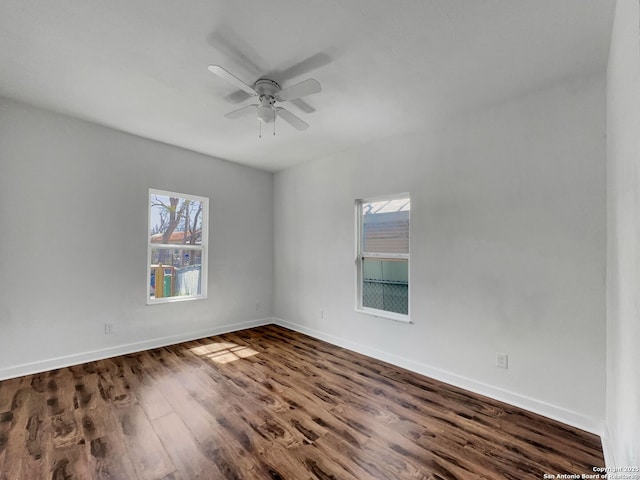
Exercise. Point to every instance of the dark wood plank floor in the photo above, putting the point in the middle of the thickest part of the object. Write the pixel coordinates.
(269, 403)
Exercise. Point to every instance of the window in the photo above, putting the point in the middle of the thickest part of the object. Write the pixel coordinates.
(382, 262)
(177, 247)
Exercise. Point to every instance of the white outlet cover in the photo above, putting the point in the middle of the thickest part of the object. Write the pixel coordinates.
(502, 360)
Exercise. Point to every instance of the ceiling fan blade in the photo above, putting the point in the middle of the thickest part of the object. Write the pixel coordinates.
(298, 90)
(291, 119)
(231, 78)
(238, 96)
(302, 105)
(235, 48)
(241, 112)
(312, 63)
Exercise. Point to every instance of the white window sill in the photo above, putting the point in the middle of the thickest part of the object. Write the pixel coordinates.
(396, 317)
(158, 301)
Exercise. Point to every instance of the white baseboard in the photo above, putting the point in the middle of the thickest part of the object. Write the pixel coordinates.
(554, 412)
(78, 358)
(607, 449)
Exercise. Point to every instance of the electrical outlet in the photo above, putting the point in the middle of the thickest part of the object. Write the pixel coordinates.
(502, 360)
(108, 328)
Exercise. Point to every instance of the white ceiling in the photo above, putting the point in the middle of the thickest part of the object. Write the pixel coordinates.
(386, 67)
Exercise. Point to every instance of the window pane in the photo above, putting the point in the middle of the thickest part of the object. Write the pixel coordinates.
(175, 220)
(180, 271)
(385, 285)
(385, 226)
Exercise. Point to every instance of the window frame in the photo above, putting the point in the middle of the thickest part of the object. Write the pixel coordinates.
(203, 247)
(361, 255)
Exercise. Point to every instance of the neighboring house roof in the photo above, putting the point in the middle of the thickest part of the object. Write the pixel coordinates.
(177, 238)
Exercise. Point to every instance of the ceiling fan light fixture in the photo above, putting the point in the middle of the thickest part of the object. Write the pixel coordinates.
(266, 114)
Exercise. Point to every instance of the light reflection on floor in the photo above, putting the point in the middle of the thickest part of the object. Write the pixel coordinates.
(223, 352)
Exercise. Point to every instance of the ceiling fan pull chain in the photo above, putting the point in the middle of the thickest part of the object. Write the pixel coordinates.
(275, 115)
(259, 129)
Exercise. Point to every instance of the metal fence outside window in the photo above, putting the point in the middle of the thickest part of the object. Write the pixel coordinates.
(385, 295)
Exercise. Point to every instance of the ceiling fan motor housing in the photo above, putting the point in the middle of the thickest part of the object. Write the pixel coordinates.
(267, 89)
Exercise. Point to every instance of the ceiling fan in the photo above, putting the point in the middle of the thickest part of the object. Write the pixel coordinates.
(268, 93)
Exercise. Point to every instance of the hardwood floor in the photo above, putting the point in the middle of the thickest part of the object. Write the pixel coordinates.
(269, 403)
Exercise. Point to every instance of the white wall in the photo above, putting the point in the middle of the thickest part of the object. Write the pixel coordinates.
(507, 250)
(73, 240)
(623, 237)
